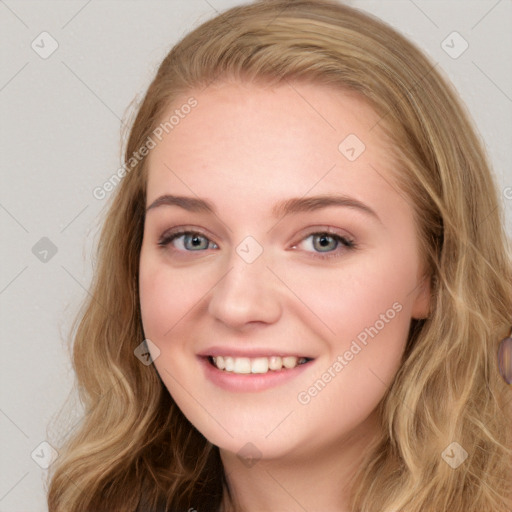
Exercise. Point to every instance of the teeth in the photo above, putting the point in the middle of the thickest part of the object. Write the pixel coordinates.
(242, 365)
(259, 365)
(245, 365)
(275, 363)
(289, 362)
(229, 364)
(220, 363)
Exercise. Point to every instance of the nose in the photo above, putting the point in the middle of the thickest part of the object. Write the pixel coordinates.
(247, 294)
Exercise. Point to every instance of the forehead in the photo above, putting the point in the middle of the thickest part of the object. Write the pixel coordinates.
(254, 142)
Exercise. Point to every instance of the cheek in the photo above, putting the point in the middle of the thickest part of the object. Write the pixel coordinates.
(166, 295)
(364, 356)
(155, 302)
(366, 290)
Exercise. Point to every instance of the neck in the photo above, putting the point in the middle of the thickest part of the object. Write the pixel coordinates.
(319, 479)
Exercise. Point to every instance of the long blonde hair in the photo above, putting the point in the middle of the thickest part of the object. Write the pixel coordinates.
(135, 450)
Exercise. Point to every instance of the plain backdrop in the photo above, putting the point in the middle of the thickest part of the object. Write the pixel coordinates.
(61, 110)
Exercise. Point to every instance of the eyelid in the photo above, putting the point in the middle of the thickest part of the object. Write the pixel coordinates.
(313, 230)
(186, 229)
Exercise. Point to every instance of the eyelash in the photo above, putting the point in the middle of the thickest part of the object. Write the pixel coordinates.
(347, 243)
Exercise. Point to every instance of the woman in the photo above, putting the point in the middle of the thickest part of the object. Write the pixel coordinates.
(309, 241)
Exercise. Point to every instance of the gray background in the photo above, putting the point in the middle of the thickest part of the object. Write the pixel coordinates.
(60, 134)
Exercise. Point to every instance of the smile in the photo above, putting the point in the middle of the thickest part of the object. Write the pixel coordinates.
(260, 365)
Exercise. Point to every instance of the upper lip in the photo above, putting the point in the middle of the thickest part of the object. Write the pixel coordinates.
(249, 352)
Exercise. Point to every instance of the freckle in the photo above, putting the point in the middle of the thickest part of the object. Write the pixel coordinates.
(505, 359)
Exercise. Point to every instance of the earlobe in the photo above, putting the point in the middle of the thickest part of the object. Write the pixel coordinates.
(421, 305)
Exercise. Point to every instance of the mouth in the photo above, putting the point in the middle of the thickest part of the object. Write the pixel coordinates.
(246, 372)
(256, 365)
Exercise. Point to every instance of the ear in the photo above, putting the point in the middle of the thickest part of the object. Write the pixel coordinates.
(421, 304)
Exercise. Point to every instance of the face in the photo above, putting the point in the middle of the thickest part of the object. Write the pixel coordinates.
(286, 256)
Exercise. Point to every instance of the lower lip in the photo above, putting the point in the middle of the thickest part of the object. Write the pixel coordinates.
(250, 381)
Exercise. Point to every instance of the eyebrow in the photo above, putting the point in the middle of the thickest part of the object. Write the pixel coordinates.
(289, 206)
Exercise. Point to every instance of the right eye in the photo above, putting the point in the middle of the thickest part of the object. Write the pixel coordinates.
(188, 241)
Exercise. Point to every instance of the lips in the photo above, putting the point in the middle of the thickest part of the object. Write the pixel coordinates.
(242, 368)
(261, 379)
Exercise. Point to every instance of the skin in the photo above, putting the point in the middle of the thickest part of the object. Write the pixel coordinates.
(244, 148)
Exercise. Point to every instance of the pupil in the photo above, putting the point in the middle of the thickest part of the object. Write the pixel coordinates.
(194, 240)
(325, 240)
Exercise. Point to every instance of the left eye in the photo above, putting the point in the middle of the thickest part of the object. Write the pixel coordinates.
(187, 241)
(326, 242)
